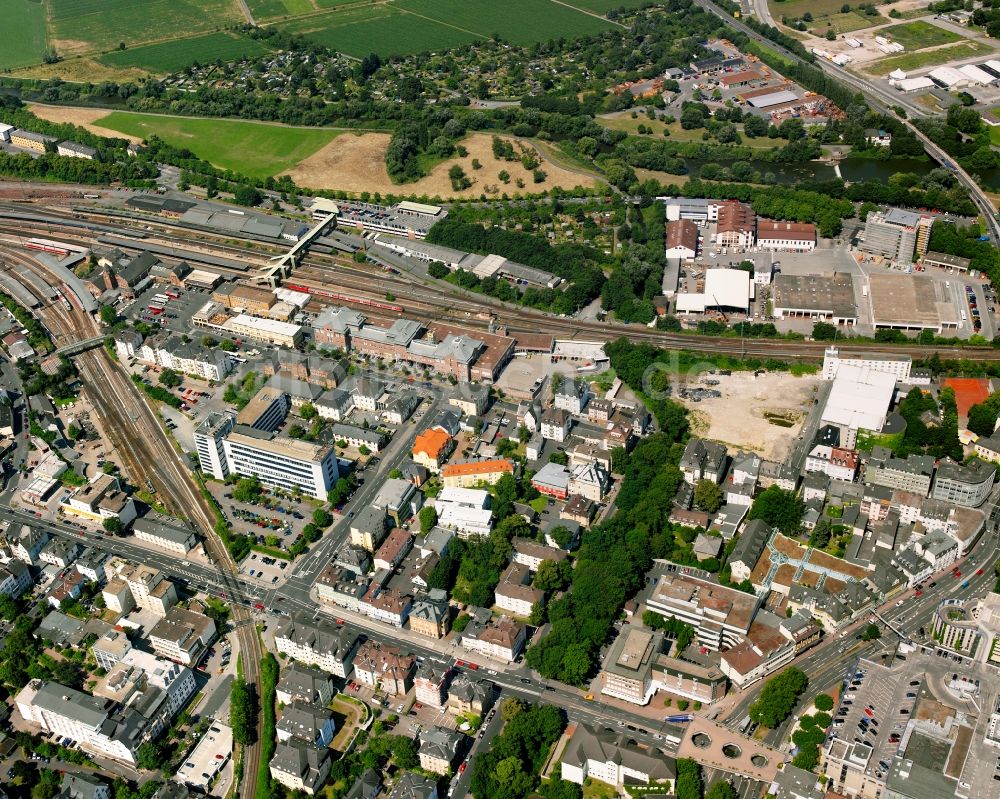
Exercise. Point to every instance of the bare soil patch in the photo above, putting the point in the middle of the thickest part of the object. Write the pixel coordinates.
(82, 117)
(356, 163)
(739, 417)
(81, 69)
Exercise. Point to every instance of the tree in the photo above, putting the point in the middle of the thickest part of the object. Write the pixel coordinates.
(823, 702)
(170, 378)
(551, 576)
(871, 632)
(151, 755)
(108, 315)
(824, 331)
(778, 697)
(707, 496)
(243, 712)
(689, 780)
(428, 518)
(721, 790)
(321, 518)
(404, 753)
(247, 195)
(247, 489)
(778, 508)
(510, 708)
(308, 411)
(821, 533)
(113, 525)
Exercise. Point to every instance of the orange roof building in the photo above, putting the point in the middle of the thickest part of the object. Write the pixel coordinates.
(468, 475)
(431, 448)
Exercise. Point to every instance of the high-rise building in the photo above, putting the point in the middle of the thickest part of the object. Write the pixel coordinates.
(281, 462)
(208, 437)
(897, 234)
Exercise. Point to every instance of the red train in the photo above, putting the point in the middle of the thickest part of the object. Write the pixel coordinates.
(332, 295)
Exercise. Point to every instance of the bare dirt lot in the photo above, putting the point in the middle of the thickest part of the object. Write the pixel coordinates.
(737, 418)
(84, 117)
(356, 163)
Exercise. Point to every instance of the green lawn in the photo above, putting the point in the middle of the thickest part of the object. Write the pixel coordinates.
(603, 6)
(166, 57)
(918, 34)
(846, 23)
(102, 24)
(926, 58)
(252, 148)
(23, 38)
(267, 9)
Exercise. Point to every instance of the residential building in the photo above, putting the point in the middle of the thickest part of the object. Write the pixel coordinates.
(467, 694)
(438, 749)
(59, 552)
(835, 462)
(298, 683)
(392, 551)
(572, 395)
(110, 649)
(556, 424)
(199, 770)
(28, 545)
(589, 480)
(899, 366)
(82, 786)
(311, 724)
(473, 473)
(414, 786)
(157, 688)
(749, 547)
(317, 643)
(399, 498)
(100, 499)
(169, 537)
(127, 344)
(15, 578)
(913, 474)
(367, 786)
(703, 460)
(502, 639)
(300, 767)
(384, 667)
(182, 635)
(531, 554)
(281, 462)
(430, 613)
(386, 605)
(431, 683)
(99, 726)
(29, 140)
(514, 592)
(369, 528)
(150, 588)
(117, 596)
(431, 448)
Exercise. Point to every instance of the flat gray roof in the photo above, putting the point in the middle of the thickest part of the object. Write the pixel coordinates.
(832, 293)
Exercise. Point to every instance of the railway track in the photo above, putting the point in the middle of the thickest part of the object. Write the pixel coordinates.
(135, 432)
(423, 298)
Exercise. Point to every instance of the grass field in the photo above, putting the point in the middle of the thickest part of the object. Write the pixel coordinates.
(85, 25)
(268, 9)
(677, 133)
(845, 23)
(174, 56)
(604, 6)
(927, 58)
(252, 148)
(23, 38)
(918, 34)
(818, 8)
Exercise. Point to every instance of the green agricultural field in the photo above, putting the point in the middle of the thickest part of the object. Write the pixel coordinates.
(927, 58)
(845, 23)
(486, 17)
(86, 25)
(818, 8)
(604, 6)
(23, 38)
(918, 34)
(256, 149)
(378, 29)
(167, 57)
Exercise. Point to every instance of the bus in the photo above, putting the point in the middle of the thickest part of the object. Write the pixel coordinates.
(161, 298)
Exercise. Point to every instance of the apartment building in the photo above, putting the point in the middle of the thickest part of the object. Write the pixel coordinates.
(208, 438)
(897, 235)
(100, 499)
(298, 683)
(317, 643)
(438, 749)
(384, 667)
(99, 726)
(431, 683)
(967, 485)
(300, 767)
(502, 639)
(474, 473)
(182, 635)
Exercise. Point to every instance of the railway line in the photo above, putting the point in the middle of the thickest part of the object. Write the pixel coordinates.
(431, 300)
(134, 430)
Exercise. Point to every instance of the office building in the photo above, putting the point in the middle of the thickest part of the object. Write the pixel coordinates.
(897, 235)
(182, 635)
(280, 462)
(721, 616)
(967, 485)
(208, 438)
